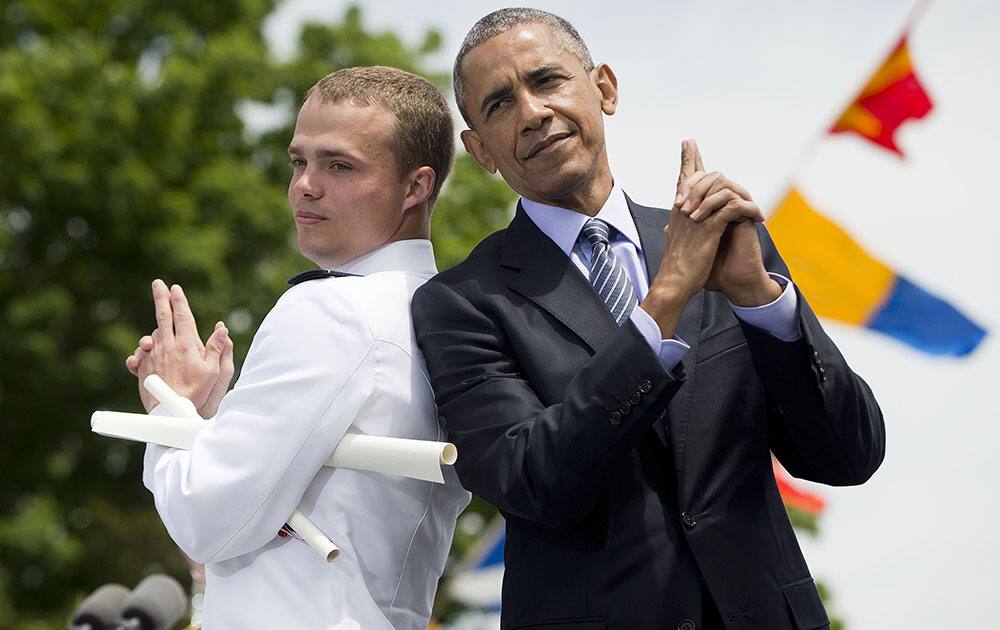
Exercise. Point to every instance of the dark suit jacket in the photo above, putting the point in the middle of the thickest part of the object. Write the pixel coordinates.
(631, 492)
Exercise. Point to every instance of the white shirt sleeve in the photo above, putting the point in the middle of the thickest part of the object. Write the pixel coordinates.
(307, 375)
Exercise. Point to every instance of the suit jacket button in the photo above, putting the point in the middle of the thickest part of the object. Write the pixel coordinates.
(634, 399)
(615, 418)
(689, 519)
(625, 408)
(645, 387)
(687, 624)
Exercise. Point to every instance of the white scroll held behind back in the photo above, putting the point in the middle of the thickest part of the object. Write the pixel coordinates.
(416, 459)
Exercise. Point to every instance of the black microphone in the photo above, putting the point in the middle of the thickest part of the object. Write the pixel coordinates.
(155, 604)
(100, 610)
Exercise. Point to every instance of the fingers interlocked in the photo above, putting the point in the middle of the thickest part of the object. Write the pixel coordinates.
(200, 372)
(702, 194)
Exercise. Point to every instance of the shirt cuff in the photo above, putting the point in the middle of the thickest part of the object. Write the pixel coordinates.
(154, 451)
(779, 318)
(670, 351)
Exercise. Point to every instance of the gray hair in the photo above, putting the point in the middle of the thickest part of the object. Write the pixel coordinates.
(502, 21)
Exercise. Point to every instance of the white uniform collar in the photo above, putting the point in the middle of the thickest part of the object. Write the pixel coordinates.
(413, 255)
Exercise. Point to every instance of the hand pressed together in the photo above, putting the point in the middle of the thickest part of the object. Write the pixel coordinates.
(711, 243)
(199, 372)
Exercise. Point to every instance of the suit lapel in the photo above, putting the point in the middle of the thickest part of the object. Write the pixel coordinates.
(547, 277)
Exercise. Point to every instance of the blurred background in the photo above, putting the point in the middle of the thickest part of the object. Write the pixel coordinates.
(143, 139)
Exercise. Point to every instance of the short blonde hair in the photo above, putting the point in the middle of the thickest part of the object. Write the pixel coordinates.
(424, 131)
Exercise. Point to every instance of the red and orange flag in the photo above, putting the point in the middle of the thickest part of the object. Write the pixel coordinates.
(892, 96)
(794, 497)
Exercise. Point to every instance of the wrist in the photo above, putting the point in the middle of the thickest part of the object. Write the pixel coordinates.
(665, 305)
(764, 291)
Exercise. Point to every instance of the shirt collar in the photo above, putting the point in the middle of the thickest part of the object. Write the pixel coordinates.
(563, 225)
(413, 255)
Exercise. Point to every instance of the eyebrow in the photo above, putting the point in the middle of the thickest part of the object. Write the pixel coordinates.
(503, 91)
(496, 94)
(325, 153)
(541, 71)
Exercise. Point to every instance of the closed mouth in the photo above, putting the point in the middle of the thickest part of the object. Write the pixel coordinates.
(547, 143)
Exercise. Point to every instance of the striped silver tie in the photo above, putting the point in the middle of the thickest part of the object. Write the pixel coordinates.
(608, 276)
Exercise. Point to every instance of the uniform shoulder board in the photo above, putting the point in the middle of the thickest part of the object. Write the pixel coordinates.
(316, 274)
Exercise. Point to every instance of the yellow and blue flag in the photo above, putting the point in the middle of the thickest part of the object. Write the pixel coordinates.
(844, 282)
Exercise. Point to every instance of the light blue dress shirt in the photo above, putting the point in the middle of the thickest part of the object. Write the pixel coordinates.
(563, 227)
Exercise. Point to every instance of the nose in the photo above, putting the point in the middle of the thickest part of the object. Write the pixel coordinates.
(306, 184)
(534, 112)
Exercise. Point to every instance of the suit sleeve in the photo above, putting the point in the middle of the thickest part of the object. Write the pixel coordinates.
(546, 464)
(823, 421)
(307, 375)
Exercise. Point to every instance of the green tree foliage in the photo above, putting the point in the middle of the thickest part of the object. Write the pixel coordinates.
(124, 157)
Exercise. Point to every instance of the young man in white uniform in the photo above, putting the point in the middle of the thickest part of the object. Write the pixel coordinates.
(372, 147)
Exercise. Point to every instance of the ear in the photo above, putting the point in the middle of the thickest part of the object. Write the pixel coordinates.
(607, 86)
(420, 185)
(475, 147)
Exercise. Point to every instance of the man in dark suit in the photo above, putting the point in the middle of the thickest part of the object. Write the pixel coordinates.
(618, 394)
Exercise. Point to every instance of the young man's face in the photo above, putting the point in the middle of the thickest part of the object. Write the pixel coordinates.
(346, 192)
(537, 114)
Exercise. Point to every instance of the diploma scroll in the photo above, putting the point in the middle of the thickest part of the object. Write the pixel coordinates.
(313, 536)
(415, 459)
(179, 429)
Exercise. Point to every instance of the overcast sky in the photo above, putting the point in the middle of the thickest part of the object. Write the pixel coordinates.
(756, 83)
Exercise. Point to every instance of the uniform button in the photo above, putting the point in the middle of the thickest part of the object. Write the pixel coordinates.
(625, 408)
(816, 353)
(615, 418)
(645, 387)
(689, 519)
(634, 398)
(687, 624)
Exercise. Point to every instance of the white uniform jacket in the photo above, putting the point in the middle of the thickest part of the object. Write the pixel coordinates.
(333, 353)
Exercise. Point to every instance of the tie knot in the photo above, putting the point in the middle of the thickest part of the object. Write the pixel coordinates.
(596, 231)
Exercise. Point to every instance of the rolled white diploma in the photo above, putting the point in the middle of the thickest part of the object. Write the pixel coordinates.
(313, 536)
(416, 459)
(184, 410)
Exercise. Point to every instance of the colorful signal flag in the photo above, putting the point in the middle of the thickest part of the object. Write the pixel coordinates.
(892, 95)
(844, 282)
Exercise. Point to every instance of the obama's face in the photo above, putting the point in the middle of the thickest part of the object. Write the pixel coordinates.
(537, 114)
